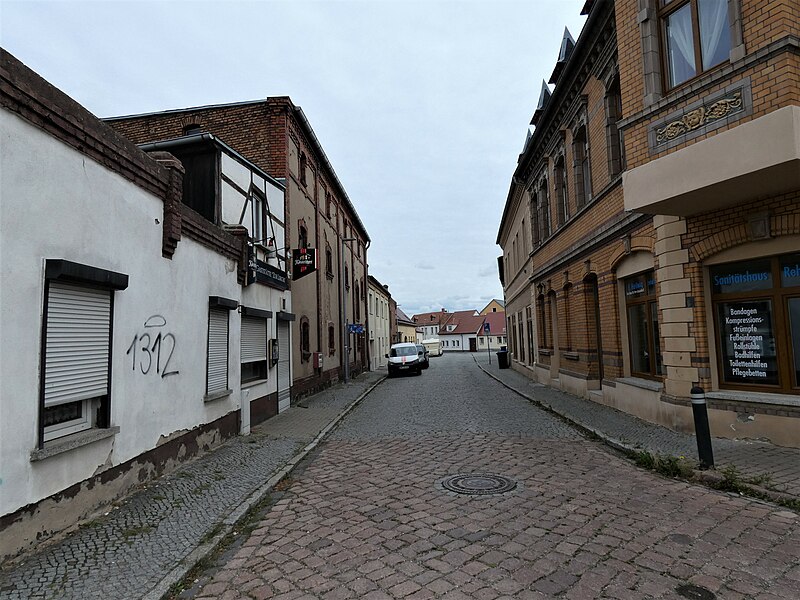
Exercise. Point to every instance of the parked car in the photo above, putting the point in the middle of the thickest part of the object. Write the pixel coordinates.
(404, 358)
(423, 359)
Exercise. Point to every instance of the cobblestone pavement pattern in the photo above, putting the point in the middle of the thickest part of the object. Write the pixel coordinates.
(779, 466)
(129, 550)
(366, 517)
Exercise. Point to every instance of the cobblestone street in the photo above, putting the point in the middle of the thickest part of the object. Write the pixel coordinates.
(367, 516)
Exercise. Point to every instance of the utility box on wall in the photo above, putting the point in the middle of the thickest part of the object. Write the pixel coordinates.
(317, 360)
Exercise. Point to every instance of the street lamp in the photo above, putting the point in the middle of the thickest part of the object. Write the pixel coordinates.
(343, 312)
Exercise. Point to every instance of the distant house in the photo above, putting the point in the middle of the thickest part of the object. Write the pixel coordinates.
(406, 328)
(495, 306)
(379, 321)
(430, 322)
(496, 338)
(460, 331)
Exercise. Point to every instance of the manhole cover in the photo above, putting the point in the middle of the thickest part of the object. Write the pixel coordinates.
(695, 592)
(479, 484)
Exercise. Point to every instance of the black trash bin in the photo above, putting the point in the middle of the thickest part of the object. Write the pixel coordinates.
(502, 359)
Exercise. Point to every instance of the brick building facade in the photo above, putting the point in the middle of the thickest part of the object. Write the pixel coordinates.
(651, 234)
(276, 135)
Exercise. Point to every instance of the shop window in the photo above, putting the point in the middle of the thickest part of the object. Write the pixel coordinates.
(641, 308)
(757, 315)
(695, 37)
(253, 349)
(76, 348)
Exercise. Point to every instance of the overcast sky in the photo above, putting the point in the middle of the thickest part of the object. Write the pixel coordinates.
(421, 107)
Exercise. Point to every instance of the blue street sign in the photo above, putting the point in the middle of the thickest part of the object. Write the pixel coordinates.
(355, 328)
(486, 327)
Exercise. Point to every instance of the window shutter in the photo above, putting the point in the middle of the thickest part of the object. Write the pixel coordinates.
(254, 339)
(77, 345)
(217, 350)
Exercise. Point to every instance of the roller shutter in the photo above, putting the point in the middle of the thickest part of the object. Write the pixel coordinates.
(217, 350)
(254, 339)
(77, 346)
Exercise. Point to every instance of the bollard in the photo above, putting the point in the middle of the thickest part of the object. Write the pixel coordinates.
(702, 432)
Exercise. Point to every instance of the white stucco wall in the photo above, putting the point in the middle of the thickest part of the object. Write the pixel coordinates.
(57, 203)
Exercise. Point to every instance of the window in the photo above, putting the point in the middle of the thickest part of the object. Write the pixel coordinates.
(543, 211)
(258, 216)
(328, 202)
(695, 37)
(529, 319)
(331, 339)
(757, 315)
(560, 180)
(542, 322)
(583, 178)
(303, 167)
(356, 303)
(328, 262)
(534, 210)
(514, 345)
(521, 329)
(305, 340)
(217, 358)
(302, 236)
(643, 337)
(346, 278)
(615, 148)
(253, 348)
(567, 314)
(76, 348)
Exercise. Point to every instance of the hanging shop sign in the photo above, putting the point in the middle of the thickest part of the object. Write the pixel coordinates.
(260, 272)
(304, 262)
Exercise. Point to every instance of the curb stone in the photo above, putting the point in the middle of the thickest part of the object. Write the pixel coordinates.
(229, 523)
(706, 478)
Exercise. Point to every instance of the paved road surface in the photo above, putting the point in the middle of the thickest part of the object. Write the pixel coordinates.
(368, 516)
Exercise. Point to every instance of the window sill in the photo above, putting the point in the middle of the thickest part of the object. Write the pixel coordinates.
(755, 398)
(572, 356)
(545, 352)
(639, 382)
(71, 442)
(217, 395)
(248, 384)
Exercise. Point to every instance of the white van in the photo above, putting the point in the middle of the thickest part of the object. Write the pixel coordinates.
(434, 347)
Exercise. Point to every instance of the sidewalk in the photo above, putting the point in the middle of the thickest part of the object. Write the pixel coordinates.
(777, 467)
(156, 535)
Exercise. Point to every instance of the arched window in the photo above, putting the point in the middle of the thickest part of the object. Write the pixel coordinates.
(302, 236)
(328, 262)
(560, 180)
(305, 339)
(616, 150)
(583, 177)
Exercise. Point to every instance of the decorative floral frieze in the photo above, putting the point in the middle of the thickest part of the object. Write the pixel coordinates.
(699, 117)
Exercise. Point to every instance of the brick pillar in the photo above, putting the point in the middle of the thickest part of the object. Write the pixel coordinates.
(173, 202)
(675, 317)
